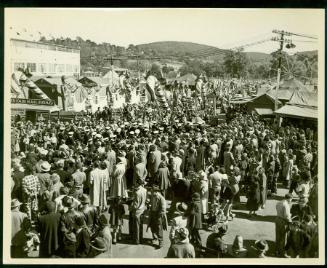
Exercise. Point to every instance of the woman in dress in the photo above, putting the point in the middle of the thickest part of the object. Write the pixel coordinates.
(253, 196)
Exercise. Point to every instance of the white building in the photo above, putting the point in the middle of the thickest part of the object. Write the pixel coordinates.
(44, 59)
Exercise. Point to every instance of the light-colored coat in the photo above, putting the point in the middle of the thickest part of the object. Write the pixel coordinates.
(119, 187)
(99, 185)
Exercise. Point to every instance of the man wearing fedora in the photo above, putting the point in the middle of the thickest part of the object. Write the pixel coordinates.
(157, 219)
(89, 212)
(17, 218)
(44, 177)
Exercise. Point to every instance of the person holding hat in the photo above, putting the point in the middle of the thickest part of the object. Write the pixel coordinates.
(180, 221)
(182, 248)
(157, 219)
(237, 250)
(261, 247)
(17, 218)
(283, 219)
(48, 227)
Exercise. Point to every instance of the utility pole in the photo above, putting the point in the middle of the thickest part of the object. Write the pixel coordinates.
(281, 41)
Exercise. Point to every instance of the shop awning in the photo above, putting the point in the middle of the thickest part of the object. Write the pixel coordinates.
(240, 101)
(264, 111)
(298, 112)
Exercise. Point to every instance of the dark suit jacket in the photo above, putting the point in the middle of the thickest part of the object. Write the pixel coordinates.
(49, 227)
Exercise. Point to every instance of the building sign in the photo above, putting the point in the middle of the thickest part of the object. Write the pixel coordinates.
(33, 101)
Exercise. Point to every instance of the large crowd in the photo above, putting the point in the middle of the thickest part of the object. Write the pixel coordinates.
(75, 182)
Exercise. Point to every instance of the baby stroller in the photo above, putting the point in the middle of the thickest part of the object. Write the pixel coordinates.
(216, 214)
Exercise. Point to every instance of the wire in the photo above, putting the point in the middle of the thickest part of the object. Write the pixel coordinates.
(304, 35)
(305, 41)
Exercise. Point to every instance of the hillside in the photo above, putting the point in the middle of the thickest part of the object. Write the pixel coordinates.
(175, 48)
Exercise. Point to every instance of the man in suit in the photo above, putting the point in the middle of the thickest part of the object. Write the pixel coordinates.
(157, 220)
(140, 172)
(154, 159)
(48, 228)
(137, 208)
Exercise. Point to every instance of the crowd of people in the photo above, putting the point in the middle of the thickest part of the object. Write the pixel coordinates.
(74, 183)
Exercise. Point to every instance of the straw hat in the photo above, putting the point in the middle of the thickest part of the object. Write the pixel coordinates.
(15, 203)
(45, 166)
(99, 244)
(181, 207)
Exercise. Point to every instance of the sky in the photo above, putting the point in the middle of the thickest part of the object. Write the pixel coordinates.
(222, 28)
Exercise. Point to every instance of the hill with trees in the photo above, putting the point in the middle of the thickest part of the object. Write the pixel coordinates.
(186, 57)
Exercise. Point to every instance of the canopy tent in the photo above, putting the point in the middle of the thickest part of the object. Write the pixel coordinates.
(304, 98)
(22, 87)
(301, 105)
(75, 94)
(113, 78)
(287, 87)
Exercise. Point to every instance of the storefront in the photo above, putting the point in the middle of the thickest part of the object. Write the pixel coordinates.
(32, 109)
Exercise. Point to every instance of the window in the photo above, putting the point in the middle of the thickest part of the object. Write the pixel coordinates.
(76, 68)
(18, 65)
(42, 67)
(31, 67)
(52, 68)
(69, 68)
(61, 68)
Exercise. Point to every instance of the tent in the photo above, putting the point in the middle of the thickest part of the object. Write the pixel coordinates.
(27, 89)
(113, 78)
(52, 87)
(287, 87)
(301, 105)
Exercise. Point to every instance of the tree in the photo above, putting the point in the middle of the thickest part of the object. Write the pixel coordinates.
(155, 70)
(236, 64)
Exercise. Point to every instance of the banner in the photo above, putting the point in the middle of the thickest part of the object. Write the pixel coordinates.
(33, 101)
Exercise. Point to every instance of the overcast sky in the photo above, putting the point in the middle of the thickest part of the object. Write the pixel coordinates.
(217, 27)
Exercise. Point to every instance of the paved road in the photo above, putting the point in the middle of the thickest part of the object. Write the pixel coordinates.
(258, 227)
